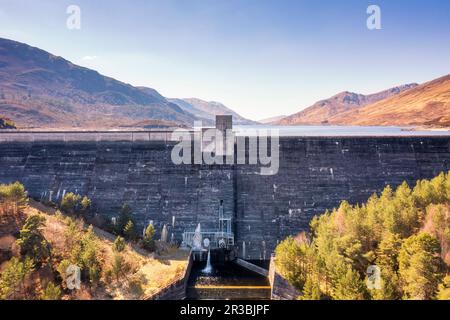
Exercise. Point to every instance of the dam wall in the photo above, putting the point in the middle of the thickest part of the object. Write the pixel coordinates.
(315, 174)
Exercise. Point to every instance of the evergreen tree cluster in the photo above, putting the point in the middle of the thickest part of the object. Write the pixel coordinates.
(74, 204)
(80, 247)
(13, 200)
(403, 233)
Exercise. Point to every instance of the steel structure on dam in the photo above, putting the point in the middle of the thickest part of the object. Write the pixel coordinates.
(315, 174)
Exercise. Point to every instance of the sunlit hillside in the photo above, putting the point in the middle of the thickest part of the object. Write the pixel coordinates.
(427, 104)
(38, 244)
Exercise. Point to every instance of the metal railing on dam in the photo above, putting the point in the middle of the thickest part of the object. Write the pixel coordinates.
(167, 135)
(214, 237)
(67, 136)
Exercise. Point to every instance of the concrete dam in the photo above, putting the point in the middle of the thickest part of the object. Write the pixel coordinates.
(315, 174)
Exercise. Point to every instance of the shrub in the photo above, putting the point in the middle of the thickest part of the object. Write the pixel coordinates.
(31, 241)
(62, 270)
(84, 251)
(13, 199)
(135, 287)
(85, 205)
(12, 279)
(119, 244)
(125, 216)
(119, 267)
(70, 203)
(444, 289)
(90, 258)
(148, 242)
(129, 231)
(74, 204)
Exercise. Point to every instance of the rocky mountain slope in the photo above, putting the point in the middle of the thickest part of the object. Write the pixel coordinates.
(272, 119)
(427, 105)
(206, 111)
(38, 89)
(322, 111)
(6, 124)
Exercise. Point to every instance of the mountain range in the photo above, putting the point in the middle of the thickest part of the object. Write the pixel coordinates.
(40, 90)
(272, 119)
(6, 124)
(322, 111)
(427, 104)
(206, 111)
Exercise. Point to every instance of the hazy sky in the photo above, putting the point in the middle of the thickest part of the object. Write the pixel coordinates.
(260, 57)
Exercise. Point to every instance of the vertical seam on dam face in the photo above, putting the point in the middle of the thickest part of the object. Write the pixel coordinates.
(315, 174)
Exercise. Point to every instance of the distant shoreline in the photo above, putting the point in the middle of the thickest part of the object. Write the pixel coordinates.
(428, 128)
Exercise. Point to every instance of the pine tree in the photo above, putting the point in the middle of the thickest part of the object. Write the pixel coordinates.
(70, 203)
(420, 267)
(31, 241)
(125, 216)
(12, 279)
(444, 289)
(390, 286)
(388, 250)
(387, 261)
(119, 244)
(13, 199)
(311, 290)
(129, 231)
(90, 256)
(85, 205)
(292, 261)
(148, 242)
(62, 271)
(349, 287)
(51, 292)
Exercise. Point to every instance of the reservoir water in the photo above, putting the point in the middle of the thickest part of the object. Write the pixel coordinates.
(336, 131)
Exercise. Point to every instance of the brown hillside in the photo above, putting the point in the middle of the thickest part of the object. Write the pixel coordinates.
(6, 123)
(38, 89)
(427, 104)
(152, 271)
(321, 112)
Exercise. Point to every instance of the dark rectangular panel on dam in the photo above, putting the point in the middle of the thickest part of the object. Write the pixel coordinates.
(315, 174)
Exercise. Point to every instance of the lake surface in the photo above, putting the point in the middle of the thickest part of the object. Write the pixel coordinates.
(336, 131)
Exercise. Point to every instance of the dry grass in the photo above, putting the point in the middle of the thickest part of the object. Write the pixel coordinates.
(153, 272)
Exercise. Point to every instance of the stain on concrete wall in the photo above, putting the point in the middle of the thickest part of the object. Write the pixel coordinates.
(315, 174)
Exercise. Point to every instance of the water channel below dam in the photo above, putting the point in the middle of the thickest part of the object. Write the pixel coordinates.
(227, 281)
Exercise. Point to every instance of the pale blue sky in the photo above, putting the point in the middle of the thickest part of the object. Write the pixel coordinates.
(260, 57)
